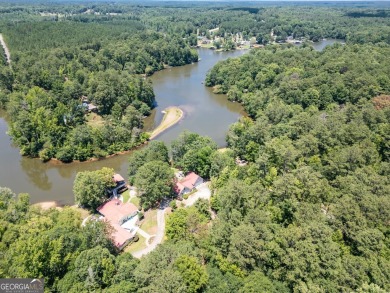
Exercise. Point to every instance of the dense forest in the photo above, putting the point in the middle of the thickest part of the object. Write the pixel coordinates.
(59, 68)
(301, 195)
(67, 57)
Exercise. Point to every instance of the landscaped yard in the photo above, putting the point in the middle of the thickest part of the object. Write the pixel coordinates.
(126, 196)
(149, 225)
(136, 201)
(135, 246)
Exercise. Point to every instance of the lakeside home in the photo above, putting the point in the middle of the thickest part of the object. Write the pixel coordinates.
(188, 183)
(117, 213)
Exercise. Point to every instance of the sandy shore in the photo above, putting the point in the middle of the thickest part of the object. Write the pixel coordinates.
(171, 117)
(45, 205)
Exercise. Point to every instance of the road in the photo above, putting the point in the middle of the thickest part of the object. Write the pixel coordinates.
(7, 53)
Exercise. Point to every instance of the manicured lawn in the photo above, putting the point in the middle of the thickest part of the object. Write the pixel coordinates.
(149, 225)
(126, 196)
(133, 247)
(136, 201)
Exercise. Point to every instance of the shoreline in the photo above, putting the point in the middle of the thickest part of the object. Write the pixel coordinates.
(46, 205)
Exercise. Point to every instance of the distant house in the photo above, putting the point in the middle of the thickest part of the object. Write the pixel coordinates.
(89, 107)
(117, 213)
(188, 183)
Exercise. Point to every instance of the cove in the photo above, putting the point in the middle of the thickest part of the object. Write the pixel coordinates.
(204, 112)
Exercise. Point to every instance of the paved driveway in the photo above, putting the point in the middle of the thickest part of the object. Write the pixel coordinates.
(160, 231)
(203, 192)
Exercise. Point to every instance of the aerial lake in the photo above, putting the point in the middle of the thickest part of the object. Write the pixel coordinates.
(204, 112)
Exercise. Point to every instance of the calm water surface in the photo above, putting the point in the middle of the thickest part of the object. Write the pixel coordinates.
(205, 113)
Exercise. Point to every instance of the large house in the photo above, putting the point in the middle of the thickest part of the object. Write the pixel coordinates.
(188, 183)
(117, 213)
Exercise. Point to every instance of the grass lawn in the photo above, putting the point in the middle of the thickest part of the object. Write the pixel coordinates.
(126, 196)
(222, 150)
(94, 119)
(136, 201)
(149, 225)
(135, 246)
(208, 46)
(175, 170)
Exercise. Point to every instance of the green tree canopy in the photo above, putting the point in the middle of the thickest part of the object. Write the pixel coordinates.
(91, 187)
(154, 181)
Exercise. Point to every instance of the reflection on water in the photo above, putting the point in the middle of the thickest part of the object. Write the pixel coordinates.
(205, 113)
(36, 173)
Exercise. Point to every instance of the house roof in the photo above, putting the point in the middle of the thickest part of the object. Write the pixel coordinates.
(187, 182)
(114, 210)
(91, 107)
(120, 235)
(118, 178)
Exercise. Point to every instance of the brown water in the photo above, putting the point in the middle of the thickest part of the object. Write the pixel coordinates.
(205, 113)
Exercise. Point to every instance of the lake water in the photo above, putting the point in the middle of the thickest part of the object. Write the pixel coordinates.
(205, 113)
(319, 46)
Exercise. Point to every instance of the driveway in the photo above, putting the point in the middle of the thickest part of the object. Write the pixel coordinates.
(160, 231)
(203, 192)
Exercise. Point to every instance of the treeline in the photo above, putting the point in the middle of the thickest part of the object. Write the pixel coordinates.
(306, 207)
(59, 69)
(302, 76)
(281, 223)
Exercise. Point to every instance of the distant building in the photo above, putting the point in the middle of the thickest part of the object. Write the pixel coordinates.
(117, 213)
(89, 107)
(188, 183)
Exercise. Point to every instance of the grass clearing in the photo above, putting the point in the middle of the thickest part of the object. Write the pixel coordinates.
(126, 196)
(135, 246)
(136, 201)
(149, 225)
(94, 119)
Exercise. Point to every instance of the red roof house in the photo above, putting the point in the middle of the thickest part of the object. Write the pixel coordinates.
(188, 183)
(118, 178)
(116, 213)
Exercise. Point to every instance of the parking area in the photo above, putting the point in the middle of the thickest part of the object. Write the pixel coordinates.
(203, 191)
